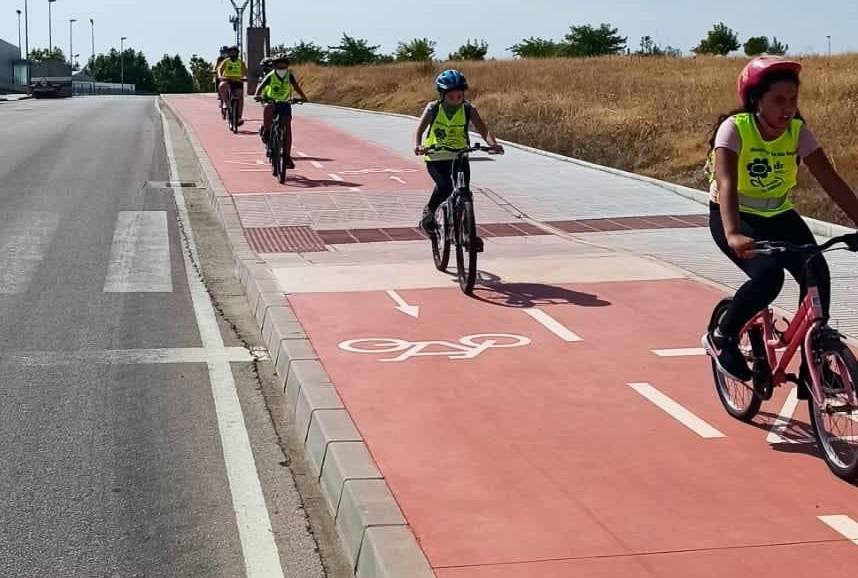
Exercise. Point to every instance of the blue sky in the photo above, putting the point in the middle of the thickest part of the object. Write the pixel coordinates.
(200, 26)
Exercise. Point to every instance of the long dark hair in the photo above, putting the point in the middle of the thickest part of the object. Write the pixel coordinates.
(754, 98)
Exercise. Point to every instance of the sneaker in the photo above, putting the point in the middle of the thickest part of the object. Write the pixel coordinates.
(241, 123)
(290, 164)
(427, 221)
(728, 358)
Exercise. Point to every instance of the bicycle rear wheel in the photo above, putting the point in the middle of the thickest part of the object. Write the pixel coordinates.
(440, 238)
(466, 248)
(835, 422)
(283, 158)
(234, 116)
(738, 399)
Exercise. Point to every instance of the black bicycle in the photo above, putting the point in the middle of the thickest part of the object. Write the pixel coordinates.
(275, 149)
(232, 109)
(456, 223)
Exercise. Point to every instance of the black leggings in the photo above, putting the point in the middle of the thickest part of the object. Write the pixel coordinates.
(441, 173)
(766, 272)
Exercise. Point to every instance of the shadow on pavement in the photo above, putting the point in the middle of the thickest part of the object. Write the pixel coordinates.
(491, 289)
(304, 183)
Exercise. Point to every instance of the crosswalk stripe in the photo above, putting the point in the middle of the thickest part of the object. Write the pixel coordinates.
(140, 255)
(22, 247)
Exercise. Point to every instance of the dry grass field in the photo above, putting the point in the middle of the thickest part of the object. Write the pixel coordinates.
(648, 115)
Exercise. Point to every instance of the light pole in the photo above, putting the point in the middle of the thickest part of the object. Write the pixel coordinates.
(122, 57)
(92, 26)
(829, 45)
(18, 12)
(71, 40)
(50, 28)
(27, 32)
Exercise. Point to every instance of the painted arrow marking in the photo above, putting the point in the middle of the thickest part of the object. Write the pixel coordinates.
(402, 305)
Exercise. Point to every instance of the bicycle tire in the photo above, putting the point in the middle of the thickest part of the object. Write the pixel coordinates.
(745, 407)
(234, 124)
(466, 251)
(440, 238)
(281, 166)
(840, 465)
(275, 148)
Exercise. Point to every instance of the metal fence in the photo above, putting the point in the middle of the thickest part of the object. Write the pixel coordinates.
(82, 88)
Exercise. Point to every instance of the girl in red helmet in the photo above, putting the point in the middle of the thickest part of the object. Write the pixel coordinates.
(753, 168)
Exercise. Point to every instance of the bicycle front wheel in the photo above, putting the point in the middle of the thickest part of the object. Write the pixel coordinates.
(835, 418)
(738, 399)
(440, 238)
(234, 116)
(274, 148)
(466, 246)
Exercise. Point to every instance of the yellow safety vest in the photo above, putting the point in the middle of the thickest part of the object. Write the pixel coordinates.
(279, 90)
(768, 170)
(449, 132)
(232, 69)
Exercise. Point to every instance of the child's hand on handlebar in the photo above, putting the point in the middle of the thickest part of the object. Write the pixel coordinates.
(496, 149)
(419, 150)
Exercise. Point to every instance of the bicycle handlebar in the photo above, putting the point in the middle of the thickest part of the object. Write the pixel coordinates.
(809, 251)
(290, 101)
(461, 152)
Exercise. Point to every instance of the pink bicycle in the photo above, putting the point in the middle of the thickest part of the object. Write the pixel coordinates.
(830, 370)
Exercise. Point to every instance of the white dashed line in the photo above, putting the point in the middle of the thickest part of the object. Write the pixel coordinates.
(844, 525)
(676, 411)
(317, 164)
(553, 325)
(336, 177)
(688, 352)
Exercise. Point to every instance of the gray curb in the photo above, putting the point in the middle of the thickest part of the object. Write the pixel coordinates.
(375, 536)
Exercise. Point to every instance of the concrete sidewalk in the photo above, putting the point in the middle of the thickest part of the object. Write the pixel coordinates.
(574, 450)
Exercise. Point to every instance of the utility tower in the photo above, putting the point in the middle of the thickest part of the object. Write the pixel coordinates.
(258, 41)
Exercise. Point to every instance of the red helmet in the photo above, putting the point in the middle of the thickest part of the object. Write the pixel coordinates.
(760, 67)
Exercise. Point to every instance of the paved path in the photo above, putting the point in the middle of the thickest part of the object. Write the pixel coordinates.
(563, 421)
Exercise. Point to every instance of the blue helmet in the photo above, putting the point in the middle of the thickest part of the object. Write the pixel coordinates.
(451, 80)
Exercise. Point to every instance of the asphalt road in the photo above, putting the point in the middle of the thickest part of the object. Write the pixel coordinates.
(118, 452)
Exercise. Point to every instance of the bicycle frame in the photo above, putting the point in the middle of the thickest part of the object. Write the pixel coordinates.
(460, 191)
(799, 332)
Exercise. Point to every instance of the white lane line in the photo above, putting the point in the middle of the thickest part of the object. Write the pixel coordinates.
(336, 177)
(140, 255)
(676, 411)
(23, 245)
(126, 356)
(301, 154)
(778, 431)
(397, 179)
(843, 525)
(688, 352)
(355, 189)
(317, 164)
(553, 325)
(254, 170)
(261, 557)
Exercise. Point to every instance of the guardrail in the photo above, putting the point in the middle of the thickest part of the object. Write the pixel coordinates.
(80, 88)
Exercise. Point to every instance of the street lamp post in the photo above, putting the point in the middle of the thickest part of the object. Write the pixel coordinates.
(27, 31)
(18, 12)
(92, 26)
(829, 45)
(50, 28)
(122, 57)
(71, 40)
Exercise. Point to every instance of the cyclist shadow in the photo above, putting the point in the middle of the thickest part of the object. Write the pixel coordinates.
(492, 290)
(303, 182)
(298, 159)
(797, 435)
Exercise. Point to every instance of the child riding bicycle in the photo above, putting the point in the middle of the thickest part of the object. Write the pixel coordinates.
(277, 88)
(448, 120)
(232, 72)
(755, 153)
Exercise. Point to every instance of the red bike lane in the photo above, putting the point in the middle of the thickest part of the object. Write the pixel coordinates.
(327, 159)
(526, 441)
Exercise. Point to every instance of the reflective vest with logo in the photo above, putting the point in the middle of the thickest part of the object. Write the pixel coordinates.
(232, 69)
(768, 170)
(448, 131)
(279, 90)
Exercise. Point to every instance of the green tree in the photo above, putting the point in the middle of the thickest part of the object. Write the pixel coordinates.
(306, 53)
(536, 48)
(41, 54)
(171, 76)
(777, 47)
(108, 68)
(202, 73)
(352, 52)
(756, 45)
(471, 50)
(650, 47)
(720, 40)
(585, 40)
(417, 50)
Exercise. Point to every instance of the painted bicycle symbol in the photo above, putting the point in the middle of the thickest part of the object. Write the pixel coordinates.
(377, 171)
(468, 347)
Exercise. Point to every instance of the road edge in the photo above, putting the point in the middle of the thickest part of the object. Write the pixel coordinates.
(377, 541)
